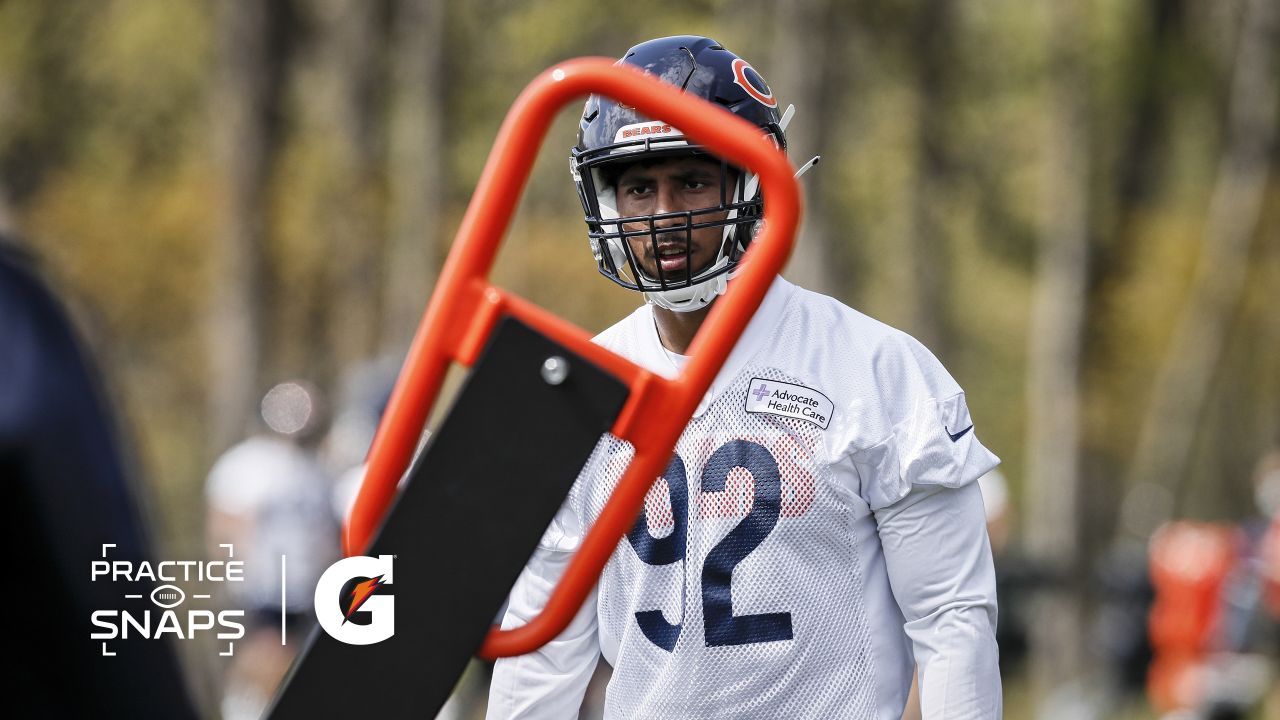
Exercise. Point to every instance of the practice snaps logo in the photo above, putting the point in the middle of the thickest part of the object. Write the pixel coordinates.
(169, 618)
(353, 601)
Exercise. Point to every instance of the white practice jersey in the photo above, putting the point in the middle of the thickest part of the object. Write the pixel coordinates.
(816, 520)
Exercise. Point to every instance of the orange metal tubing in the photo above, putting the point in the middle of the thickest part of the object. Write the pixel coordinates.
(465, 306)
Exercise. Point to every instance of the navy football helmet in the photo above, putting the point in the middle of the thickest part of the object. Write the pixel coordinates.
(612, 135)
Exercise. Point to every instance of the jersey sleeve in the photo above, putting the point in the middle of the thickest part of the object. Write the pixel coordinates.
(944, 582)
(926, 436)
(918, 471)
(551, 681)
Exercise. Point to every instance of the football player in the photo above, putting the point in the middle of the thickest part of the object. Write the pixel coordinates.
(818, 533)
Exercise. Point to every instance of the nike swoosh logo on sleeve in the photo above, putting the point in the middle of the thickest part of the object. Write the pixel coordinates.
(955, 437)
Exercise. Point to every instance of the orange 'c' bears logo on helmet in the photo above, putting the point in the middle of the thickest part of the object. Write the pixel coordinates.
(760, 92)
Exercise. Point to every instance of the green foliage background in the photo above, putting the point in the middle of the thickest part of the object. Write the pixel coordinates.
(105, 118)
(106, 170)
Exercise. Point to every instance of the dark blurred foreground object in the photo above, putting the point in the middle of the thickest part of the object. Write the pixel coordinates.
(65, 495)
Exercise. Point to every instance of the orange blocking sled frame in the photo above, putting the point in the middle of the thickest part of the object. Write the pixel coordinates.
(465, 307)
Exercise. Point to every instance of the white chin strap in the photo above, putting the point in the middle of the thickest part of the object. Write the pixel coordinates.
(694, 297)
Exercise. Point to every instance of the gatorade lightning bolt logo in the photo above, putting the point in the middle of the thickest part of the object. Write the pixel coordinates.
(357, 589)
(362, 592)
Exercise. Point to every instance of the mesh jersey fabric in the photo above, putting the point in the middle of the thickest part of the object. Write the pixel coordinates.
(754, 582)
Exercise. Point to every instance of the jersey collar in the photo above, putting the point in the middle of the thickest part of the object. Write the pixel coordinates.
(762, 326)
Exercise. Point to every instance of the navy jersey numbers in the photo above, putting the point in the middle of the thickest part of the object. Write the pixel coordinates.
(722, 627)
(663, 551)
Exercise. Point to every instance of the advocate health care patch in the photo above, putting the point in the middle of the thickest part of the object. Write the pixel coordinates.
(774, 397)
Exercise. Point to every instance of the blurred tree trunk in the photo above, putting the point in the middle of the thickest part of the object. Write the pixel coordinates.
(415, 166)
(1142, 160)
(1182, 385)
(923, 251)
(1054, 353)
(1145, 147)
(243, 90)
(8, 224)
(347, 49)
(801, 77)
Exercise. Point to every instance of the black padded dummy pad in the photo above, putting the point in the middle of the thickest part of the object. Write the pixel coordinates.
(476, 502)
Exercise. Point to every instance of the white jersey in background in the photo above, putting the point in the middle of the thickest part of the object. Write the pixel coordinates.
(817, 534)
(283, 497)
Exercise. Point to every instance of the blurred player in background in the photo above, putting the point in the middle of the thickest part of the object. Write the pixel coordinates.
(269, 496)
(363, 393)
(819, 530)
(1215, 622)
